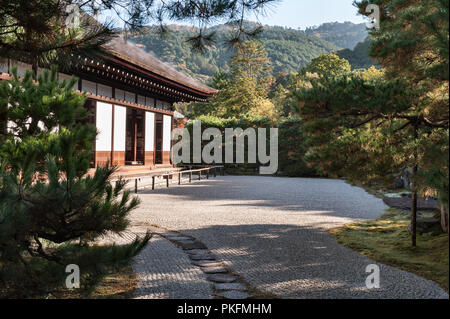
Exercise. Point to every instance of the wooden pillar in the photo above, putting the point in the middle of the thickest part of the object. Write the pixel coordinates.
(135, 185)
(199, 175)
(190, 177)
(167, 181)
(179, 178)
(153, 182)
(112, 136)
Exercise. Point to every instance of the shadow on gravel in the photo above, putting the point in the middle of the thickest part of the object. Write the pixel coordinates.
(165, 272)
(302, 262)
(272, 232)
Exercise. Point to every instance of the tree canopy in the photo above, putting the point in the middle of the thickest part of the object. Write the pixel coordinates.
(328, 65)
(245, 89)
(369, 126)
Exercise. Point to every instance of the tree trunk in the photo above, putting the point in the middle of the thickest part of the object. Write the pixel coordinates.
(414, 193)
(34, 67)
(414, 208)
(444, 216)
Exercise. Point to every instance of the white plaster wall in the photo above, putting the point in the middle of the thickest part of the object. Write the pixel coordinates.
(149, 131)
(104, 126)
(120, 118)
(167, 132)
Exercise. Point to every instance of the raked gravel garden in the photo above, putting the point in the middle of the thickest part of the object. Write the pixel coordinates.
(260, 237)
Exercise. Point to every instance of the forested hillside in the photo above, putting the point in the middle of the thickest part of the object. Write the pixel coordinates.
(289, 50)
(345, 35)
(358, 57)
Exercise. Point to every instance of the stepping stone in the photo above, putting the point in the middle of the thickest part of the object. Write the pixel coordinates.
(232, 286)
(192, 245)
(214, 270)
(221, 278)
(202, 257)
(234, 294)
(206, 263)
(197, 252)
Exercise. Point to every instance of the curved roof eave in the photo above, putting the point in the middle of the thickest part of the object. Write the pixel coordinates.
(125, 50)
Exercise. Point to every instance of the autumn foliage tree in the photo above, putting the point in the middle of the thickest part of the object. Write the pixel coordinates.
(245, 89)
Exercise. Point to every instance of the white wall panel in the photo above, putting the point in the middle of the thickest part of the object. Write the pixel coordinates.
(104, 126)
(120, 118)
(167, 132)
(149, 131)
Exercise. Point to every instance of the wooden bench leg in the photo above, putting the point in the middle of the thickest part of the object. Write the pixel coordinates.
(200, 175)
(190, 177)
(167, 182)
(135, 186)
(153, 182)
(179, 178)
(207, 174)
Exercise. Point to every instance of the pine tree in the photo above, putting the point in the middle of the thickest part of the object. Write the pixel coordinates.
(413, 44)
(369, 127)
(39, 33)
(50, 207)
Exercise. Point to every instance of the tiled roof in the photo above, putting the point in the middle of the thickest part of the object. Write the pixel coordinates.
(129, 52)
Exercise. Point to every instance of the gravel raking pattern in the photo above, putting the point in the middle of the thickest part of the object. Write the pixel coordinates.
(273, 234)
(225, 284)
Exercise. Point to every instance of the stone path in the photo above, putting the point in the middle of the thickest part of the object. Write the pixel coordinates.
(272, 233)
(163, 270)
(174, 266)
(225, 284)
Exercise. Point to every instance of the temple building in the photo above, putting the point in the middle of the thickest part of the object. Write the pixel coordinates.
(130, 97)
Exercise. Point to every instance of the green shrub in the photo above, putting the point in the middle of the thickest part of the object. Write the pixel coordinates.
(292, 150)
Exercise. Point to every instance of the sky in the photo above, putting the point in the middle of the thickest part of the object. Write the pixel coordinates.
(307, 13)
(299, 14)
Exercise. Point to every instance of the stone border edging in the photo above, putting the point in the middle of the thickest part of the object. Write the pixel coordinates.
(225, 283)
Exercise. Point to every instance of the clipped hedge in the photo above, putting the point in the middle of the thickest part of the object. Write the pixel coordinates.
(292, 150)
(291, 144)
(247, 121)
